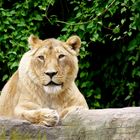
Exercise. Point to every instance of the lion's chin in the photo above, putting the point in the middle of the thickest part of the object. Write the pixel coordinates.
(51, 89)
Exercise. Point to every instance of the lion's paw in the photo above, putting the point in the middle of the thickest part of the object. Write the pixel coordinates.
(48, 117)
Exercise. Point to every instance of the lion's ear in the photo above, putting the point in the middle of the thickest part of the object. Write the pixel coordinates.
(74, 42)
(33, 41)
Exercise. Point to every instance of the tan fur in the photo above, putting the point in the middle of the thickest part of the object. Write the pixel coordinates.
(30, 94)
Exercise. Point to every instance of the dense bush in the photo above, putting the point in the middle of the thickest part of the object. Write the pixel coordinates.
(18, 20)
(109, 74)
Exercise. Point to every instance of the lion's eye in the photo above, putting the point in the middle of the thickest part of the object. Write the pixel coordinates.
(61, 56)
(41, 57)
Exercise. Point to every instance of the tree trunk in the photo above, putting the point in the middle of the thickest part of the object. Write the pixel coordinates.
(103, 124)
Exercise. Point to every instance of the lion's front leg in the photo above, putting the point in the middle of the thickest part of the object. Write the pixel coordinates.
(44, 116)
(68, 110)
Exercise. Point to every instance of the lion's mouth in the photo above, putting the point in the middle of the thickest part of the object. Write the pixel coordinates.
(51, 83)
(53, 87)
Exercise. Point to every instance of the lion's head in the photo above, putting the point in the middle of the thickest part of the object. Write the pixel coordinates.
(50, 64)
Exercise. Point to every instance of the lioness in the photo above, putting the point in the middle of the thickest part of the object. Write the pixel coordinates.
(43, 90)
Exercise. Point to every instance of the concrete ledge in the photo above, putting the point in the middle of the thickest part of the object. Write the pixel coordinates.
(104, 124)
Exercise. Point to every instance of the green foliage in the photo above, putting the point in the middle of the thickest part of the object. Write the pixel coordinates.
(109, 73)
(18, 20)
(109, 69)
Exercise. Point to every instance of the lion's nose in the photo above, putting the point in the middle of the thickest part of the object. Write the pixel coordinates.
(51, 74)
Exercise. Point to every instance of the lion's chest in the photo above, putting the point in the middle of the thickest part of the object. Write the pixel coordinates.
(56, 103)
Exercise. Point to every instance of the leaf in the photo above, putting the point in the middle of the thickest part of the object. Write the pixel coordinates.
(127, 97)
(129, 33)
(123, 10)
(116, 30)
(78, 15)
(98, 96)
(5, 77)
(38, 17)
(15, 64)
(82, 27)
(90, 25)
(122, 21)
(82, 74)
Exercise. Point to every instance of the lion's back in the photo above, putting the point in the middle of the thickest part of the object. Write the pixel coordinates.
(8, 94)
